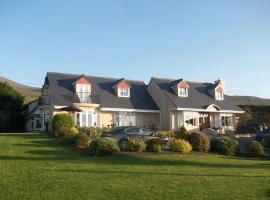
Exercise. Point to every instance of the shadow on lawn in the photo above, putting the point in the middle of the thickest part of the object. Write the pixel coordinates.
(157, 173)
(46, 148)
(64, 156)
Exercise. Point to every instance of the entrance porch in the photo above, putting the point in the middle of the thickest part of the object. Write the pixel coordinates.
(200, 120)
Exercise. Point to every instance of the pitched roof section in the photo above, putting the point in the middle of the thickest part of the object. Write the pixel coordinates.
(82, 80)
(122, 83)
(198, 96)
(102, 92)
(219, 89)
(215, 86)
(179, 83)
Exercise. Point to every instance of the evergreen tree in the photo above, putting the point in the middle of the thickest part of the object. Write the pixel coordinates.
(11, 109)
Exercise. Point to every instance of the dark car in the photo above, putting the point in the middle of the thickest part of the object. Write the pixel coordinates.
(123, 133)
(260, 134)
(253, 127)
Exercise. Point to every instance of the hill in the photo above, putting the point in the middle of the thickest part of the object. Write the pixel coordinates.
(30, 93)
(251, 101)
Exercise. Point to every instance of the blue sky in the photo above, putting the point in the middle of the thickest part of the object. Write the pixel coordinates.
(194, 40)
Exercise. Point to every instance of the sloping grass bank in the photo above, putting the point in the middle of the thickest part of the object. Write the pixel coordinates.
(36, 166)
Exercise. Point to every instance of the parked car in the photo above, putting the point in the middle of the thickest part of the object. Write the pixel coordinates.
(260, 134)
(252, 127)
(123, 133)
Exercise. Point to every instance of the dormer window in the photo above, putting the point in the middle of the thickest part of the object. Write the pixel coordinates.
(124, 92)
(82, 88)
(180, 88)
(219, 95)
(83, 92)
(122, 88)
(182, 92)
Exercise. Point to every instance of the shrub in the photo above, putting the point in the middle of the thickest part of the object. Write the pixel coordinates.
(254, 148)
(182, 133)
(153, 141)
(266, 141)
(82, 141)
(154, 145)
(73, 131)
(136, 144)
(225, 146)
(156, 148)
(168, 134)
(63, 131)
(62, 123)
(103, 146)
(200, 142)
(71, 136)
(180, 145)
(92, 132)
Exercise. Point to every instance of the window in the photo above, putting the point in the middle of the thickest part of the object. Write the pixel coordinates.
(132, 131)
(124, 92)
(38, 124)
(146, 132)
(204, 120)
(78, 119)
(191, 118)
(84, 92)
(182, 92)
(83, 118)
(227, 120)
(86, 118)
(219, 95)
(126, 119)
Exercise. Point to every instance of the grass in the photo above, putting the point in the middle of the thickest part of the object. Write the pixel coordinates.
(36, 166)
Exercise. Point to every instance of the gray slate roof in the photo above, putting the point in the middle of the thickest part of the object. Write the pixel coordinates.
(198, 95)
(63, 93)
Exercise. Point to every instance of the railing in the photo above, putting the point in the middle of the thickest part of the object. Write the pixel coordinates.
(86, 97)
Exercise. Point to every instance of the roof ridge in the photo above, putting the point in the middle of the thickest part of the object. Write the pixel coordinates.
(87, 75)
(175, 79)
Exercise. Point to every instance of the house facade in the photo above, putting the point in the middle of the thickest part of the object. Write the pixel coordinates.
(93, 102)
(107, 102)
(193, 105)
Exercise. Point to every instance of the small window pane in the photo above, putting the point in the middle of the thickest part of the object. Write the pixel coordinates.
(145, 131)
(124, 92)
(78, 119)
(182, 91)
(133, 131)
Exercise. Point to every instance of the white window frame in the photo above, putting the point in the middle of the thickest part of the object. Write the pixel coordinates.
(219, 95)
(83, 91)
(229, 122)
(128, 116)
(180, 89)
(88, 123)
(123, 92)
(194, 116)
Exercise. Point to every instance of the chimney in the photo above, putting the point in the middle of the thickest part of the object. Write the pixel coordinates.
(222, 83)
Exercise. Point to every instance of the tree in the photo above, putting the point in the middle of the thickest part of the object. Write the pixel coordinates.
(11, 109)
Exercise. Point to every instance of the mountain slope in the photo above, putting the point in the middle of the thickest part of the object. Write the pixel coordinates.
(30, 93)
(252, 101)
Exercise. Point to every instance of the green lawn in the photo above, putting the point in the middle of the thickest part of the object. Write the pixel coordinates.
(34, 166)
